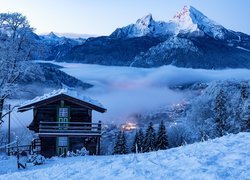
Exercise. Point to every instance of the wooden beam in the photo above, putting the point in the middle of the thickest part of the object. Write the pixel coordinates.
(69, 123)
(69, 134)
(67, 131)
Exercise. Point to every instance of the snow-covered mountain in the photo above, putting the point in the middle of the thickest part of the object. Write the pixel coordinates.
(45, 47)
(54, 38)
(51, 46)
(221, 158)
(75, 35)
(188, 20)
(51, 36)
(189, 39)
(146, 26)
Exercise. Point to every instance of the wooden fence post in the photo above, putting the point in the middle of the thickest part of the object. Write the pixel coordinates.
(17, 155)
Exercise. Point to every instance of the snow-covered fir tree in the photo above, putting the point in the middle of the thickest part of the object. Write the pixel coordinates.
(121, 144)
(162, 140)
(245, 107)
(229, 99)
(134, 148)
(150, 139)
(140, 140)
(137, 146)
(245, 121)
(221, 114)
(244, 90)
(236, 116)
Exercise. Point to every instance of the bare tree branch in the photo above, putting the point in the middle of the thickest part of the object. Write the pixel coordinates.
(14, 28)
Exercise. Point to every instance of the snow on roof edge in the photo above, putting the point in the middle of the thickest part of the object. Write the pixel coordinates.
(66, 91)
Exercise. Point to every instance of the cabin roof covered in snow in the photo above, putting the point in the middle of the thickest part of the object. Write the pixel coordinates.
(62, 93)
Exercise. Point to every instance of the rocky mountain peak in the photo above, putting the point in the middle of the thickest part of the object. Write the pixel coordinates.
(145, 21)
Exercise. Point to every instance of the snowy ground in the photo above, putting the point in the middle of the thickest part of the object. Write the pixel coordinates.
(223, 158)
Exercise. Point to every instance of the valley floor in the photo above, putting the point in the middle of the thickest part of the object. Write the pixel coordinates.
(222, 158)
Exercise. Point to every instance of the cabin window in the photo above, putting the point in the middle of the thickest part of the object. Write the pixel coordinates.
(63, 112)
(62, 141)
(63, 116)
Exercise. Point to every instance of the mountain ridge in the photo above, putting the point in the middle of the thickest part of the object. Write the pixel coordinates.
(141, 44)
(215, 46)
(188, 20)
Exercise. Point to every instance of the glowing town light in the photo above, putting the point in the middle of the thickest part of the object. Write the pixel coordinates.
(128, 126)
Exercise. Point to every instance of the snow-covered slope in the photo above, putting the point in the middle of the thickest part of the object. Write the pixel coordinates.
(222, 158)
(170, 48)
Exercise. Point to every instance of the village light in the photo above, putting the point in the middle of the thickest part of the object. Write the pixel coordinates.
(129, 126)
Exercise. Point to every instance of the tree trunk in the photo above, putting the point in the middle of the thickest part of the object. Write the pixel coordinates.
(1, 109)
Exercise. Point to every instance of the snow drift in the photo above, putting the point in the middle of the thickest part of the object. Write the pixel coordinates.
(222, 158)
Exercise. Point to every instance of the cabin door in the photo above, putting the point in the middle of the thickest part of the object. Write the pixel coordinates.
(62, 146)
(63, 142)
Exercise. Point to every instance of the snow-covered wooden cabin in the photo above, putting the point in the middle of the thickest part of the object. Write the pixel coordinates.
(63, 121)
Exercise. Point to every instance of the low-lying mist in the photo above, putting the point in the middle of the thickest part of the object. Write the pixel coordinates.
(128, 90)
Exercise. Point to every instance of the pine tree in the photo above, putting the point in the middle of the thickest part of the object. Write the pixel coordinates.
(237, 114)
(244, 89)
(221, 114)
(245, 113)
(140, 141)
(162, 140)
(134, 148)
(121, 144)
(137, 146)
(150, 139)
(124, 147)
(117, 149)
(245, 121)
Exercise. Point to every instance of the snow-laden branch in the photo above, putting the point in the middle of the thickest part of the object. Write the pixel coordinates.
(14, 52)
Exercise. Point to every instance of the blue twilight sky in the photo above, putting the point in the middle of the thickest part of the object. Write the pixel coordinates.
(102, 17)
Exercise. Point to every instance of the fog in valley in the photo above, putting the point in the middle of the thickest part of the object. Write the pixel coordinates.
(125, 91)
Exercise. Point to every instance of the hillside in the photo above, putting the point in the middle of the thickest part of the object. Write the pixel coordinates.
(221, 158)
(49, 77)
